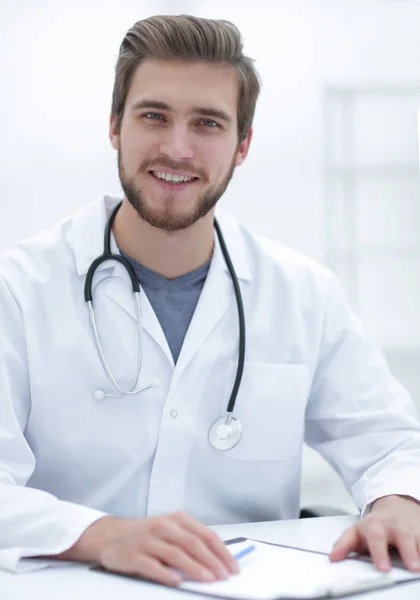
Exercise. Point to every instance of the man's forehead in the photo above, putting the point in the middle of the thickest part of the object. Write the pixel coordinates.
(192, 84)
(157, 66)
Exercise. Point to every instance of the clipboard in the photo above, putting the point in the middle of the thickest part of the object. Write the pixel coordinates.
(264, 579)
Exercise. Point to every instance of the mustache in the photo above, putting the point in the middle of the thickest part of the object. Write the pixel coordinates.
(153, 165)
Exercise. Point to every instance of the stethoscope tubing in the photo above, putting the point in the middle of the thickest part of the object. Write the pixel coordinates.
(88, 295)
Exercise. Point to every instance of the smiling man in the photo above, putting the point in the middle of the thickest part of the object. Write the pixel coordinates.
(241, 350)
(146, 132)
(175, 159)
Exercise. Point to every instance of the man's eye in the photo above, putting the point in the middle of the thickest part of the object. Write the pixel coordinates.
(208, 123)
(153, 116)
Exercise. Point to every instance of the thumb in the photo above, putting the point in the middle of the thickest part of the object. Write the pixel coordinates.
(347, 543)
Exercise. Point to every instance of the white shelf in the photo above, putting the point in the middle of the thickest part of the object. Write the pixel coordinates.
(346, 126)
(396, 171)
(378, 252)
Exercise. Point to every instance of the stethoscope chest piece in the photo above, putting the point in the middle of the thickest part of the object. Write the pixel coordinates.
(225, 433)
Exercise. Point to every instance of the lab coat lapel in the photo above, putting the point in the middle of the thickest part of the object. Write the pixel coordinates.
(119, 291)
(218, 293)
(216, 297)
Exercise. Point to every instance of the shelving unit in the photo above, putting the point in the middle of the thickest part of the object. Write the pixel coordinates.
(372, 213)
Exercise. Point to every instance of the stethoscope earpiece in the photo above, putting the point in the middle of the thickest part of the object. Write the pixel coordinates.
(99, 395)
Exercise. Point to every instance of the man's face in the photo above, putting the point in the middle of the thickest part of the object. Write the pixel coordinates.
(180, 122)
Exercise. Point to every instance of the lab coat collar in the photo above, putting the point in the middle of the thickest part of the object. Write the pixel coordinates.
(88, 226)
(88, 234)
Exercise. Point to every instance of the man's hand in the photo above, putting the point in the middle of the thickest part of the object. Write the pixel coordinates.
(157, 548)
(393, 521)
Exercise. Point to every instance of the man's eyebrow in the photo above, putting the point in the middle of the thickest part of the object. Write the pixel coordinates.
(150, 104)
(212, 112)
(199, 111)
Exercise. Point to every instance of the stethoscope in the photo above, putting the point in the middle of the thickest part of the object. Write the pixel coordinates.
(226, 432)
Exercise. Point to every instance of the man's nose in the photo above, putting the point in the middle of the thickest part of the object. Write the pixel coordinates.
(177, 144)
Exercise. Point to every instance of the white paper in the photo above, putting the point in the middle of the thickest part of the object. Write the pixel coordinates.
(273, 571)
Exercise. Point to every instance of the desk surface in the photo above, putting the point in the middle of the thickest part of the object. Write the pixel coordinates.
(78, 582)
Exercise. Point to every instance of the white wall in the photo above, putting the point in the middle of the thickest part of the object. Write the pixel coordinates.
(56, 66)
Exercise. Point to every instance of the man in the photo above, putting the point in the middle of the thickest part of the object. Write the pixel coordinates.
(97, 472)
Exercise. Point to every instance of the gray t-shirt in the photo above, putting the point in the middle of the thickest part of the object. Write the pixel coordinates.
(173, 300)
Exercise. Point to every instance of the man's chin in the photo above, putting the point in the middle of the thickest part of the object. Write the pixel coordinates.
(169, 220)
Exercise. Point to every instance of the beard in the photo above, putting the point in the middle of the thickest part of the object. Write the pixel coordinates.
(166, 218)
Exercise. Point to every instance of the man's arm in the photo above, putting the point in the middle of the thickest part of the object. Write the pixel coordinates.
(393, 521)
(359, 417)
(32, 522)
(35, 524)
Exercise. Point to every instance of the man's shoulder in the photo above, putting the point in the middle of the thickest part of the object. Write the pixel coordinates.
(39, 257)
(25, 254)
(277, 259)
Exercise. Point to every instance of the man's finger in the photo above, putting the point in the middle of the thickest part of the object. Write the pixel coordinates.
(218, 547)
(406, 545)
(210, 539)
(174, 556)
(150, 568)
(200, 552)
(348, 542)
(191, 543)
(376, 539)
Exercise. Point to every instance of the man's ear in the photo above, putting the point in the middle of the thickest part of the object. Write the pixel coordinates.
(114, 135)
(243, 148)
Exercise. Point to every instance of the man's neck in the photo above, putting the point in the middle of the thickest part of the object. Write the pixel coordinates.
(168, 253)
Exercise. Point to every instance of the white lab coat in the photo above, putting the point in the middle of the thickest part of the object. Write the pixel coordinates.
(311, 374)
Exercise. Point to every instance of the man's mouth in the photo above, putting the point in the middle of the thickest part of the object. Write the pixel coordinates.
(172, 178)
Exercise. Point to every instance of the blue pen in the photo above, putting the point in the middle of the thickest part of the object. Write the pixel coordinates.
(244, 552)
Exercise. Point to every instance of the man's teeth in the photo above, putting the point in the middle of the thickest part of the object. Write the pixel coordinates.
(172, 178)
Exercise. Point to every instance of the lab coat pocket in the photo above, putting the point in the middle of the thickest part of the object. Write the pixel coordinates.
(271, 408)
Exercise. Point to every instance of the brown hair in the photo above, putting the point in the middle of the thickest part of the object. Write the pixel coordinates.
(190, 39)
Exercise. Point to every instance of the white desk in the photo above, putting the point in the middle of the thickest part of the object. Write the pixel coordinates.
(76, 582)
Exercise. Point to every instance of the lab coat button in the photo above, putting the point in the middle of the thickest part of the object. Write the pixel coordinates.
(174, 414)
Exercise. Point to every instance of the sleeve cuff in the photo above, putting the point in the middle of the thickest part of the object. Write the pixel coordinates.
(367, 508)
(18, 560)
